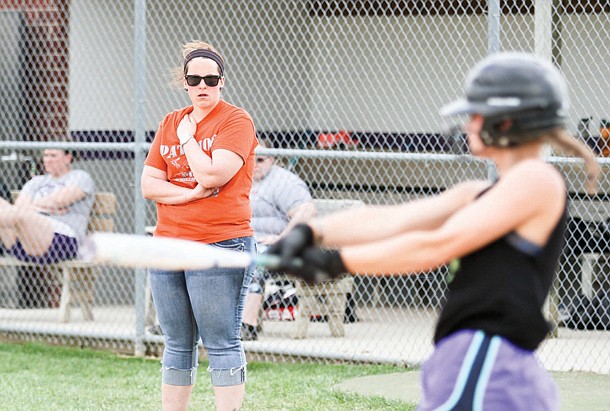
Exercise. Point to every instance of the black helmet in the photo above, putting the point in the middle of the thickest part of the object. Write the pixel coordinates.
(513, 86)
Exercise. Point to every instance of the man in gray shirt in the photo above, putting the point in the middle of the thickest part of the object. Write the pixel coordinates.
(49, 218)
(279, 199)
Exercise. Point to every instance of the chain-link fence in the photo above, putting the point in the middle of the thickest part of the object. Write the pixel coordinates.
(348, 93)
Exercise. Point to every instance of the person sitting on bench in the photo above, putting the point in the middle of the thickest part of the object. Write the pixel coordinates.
(50, 215)
(280, 199)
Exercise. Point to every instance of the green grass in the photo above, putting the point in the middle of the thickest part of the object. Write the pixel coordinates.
(39, 377)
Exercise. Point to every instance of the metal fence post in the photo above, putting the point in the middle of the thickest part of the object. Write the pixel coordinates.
(493, 25)
(140, 139)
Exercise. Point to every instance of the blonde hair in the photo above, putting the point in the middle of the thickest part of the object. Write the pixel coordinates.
(561, 139)
(178, 72)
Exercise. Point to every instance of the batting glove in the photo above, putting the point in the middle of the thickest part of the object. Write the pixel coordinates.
(291, 246)
(319, 265)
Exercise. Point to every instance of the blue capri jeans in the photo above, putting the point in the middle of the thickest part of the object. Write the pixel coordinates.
(207, 304)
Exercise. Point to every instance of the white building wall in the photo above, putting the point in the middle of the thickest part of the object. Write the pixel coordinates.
(347, 76)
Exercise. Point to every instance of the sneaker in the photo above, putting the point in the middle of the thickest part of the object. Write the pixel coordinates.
(249, 332)
(155, 330)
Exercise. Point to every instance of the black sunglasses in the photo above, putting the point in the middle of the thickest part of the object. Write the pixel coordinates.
(210, 81)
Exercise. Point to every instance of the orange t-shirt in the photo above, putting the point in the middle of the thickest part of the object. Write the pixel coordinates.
(214, 218)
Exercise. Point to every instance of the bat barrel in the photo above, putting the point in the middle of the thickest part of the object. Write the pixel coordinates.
(139, 251)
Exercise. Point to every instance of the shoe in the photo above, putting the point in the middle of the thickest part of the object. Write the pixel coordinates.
(155, 330)
(249, 332)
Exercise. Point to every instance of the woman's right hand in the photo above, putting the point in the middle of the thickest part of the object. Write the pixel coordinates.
(186, 129)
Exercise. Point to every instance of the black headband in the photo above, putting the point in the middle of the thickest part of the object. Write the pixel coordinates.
(208, 54)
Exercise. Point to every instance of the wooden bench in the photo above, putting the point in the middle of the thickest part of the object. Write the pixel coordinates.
(329, 297)
(77, 277)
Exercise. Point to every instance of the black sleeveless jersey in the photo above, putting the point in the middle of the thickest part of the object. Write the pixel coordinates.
(501, 289)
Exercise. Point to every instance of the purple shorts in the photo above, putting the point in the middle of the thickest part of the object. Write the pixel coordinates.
(470, 370)
(62, 248)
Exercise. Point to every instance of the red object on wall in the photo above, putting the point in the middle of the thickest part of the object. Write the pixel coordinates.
(333, 140)
(604, 137)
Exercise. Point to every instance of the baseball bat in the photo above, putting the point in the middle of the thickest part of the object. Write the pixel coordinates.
(141, 251)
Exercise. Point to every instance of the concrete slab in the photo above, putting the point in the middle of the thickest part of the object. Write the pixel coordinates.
(578, 391)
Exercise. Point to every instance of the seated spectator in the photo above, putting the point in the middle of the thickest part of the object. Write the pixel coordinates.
(5, 193)
(50, 216)
(280, 199)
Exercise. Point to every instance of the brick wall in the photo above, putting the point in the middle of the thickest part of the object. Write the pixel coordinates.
(46, 67)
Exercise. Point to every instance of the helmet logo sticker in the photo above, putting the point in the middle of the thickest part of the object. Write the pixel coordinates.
(504, 101)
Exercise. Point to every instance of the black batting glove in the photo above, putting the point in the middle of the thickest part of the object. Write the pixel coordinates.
(291, 246)
(318, 265)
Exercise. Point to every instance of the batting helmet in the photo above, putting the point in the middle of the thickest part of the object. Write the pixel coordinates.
(520, 87)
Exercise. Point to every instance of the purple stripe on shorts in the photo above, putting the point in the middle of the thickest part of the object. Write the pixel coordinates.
(469, 370)
(62, 248)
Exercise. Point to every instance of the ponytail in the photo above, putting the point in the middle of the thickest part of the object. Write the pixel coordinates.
(563, 140)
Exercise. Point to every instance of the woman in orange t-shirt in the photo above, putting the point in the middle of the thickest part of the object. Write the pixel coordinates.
(199, 172)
